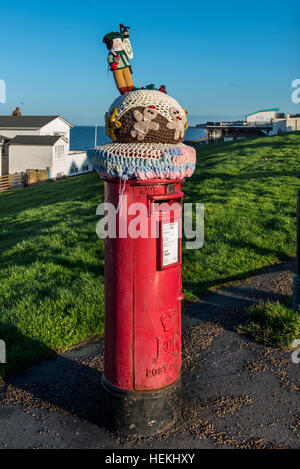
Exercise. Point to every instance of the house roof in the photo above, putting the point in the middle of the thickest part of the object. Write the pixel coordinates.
(276, 109)
(15, 122)
(48, 140)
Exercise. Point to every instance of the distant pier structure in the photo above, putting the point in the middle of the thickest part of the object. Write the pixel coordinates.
(226, 131)
(257, 124)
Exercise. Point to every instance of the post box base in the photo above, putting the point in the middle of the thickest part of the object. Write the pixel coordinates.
(142, 413)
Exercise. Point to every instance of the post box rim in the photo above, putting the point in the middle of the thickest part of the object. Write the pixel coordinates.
(148, 182)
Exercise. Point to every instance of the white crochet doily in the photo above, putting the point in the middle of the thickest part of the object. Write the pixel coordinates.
(145, 98)
(141, 150)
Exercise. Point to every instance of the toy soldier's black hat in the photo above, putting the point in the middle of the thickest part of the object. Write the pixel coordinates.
(110, 36)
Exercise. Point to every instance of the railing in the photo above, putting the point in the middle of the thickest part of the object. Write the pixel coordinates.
(239, 124)
(11, 181)
(259, 124)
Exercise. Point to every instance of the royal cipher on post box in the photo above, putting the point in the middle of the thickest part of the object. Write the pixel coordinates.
(143, 170)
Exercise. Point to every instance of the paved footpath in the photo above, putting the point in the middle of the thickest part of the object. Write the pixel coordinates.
(236, 393)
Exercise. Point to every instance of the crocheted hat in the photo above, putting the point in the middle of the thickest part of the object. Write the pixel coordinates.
(112, 35)
(147, 116)
(143, 161)
(147, 127)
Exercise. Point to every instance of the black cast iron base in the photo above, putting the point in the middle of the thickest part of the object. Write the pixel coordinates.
(142, 413)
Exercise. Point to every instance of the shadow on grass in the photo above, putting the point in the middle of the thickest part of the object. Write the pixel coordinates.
(21, 350)
(82, 188)
(205, 288)
(58, 384)
(69, 194)
(59, 255)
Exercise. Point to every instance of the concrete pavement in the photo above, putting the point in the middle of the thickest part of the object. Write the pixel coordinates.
(236, 393)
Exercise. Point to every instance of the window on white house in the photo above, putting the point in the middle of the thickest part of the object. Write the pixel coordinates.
(62, 134)
(59, 152)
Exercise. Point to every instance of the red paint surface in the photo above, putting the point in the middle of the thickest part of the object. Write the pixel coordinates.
(143, 300)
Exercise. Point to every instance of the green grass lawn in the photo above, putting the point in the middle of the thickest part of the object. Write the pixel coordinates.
(52, 263)
(272, 324)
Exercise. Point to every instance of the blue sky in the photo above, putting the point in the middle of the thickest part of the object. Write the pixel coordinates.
(219, 59)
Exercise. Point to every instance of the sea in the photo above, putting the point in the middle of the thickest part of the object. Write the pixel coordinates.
(83, 137)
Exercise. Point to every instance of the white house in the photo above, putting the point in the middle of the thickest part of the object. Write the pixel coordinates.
(38, 151)
(39, 142)
(11, 126)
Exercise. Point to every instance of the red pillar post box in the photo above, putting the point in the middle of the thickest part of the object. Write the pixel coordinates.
(143, 293)
(143, 169)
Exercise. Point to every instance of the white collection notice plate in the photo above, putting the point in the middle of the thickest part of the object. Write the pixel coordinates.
(170, 233)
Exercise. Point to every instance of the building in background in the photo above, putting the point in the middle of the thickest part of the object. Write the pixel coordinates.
(38, 152)
(265, 115)
(11, 126)
(280, 121)
(39, 142)
(227, 131)
(257, 124)
(285, 123)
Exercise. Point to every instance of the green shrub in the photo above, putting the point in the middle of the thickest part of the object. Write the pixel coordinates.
(273, 324)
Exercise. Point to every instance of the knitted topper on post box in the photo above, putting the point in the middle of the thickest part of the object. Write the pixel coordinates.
(120, 51)
(147, 116)
(147, 126)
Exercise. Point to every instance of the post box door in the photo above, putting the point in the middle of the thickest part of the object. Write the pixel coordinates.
(157, 297)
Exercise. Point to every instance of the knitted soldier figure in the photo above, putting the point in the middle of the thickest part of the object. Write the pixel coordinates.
(16, 112)
(118, 60)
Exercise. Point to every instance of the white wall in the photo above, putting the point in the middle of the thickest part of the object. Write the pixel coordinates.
(58, 165)
(278, 126)
(22, 157)
(77, 159)
(265, 116)
(11, 133)
(293, 124)
(57, 126)
(285, 125)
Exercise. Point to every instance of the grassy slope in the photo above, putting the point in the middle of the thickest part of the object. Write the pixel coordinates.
(249, 189)
(52, 293)
(52, 267)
